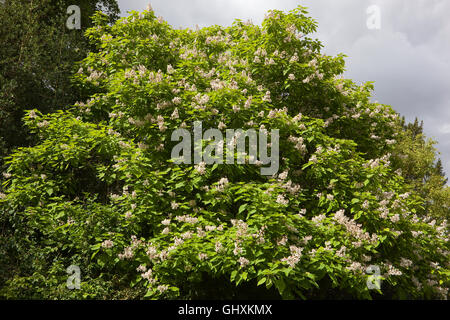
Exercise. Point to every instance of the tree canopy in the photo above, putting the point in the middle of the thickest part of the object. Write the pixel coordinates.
(100, 190)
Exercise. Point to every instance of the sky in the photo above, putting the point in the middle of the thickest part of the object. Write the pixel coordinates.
(408, 56)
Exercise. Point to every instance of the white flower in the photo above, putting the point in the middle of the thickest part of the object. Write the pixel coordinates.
(282, 200)
(313, 158)
(6, 175)
(174, 114)
(200, 232)
(142, 268)
(390, 141)
(170, 69)
(295, 256)
(283, 175)
(313, 63)
(43, 124)
(187, 235)
(187, 219)
(352, 227)
(267, 98)
(237, 250)
(294, 58)
(107, 244)
(162, 288)
(201, 168)
(365, 205)
(127, 254)
(147, 275)
(32, 114)
(152, 252)
(222, 184)
(392, 271)
(243, 261)
(405, 263)
(341, 252)
(282, 241)
(248, 103)
(178, 241)
(319, 218)
(176, 100)
(241, 227)
(297, 118)
(355, 266)
(202, 256)
(218, 247)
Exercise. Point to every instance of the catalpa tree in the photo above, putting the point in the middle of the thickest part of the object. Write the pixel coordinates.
(102, 190)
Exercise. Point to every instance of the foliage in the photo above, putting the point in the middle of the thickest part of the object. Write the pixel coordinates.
(415, 157)
(100, 190)
(37, 59)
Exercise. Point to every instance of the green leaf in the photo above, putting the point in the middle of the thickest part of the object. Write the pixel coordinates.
(242, 207)
(281, 285)
(261, 281)
(49, 191)
(233, 275)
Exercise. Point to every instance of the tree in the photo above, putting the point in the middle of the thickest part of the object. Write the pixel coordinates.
(37, 60)
(440, 171)
(38, 56)
(415, 157)
(101, 189)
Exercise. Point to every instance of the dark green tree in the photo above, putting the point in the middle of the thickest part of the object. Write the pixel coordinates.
(440, 171)
(37, 60)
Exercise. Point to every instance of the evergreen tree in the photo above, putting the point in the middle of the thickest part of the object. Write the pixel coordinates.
(440, 171)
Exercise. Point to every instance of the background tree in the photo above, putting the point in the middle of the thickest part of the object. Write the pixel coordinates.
(38, 56)
(37, 60)
(417, 159)
(440, 171)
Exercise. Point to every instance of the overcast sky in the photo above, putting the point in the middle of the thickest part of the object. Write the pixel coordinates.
(408, 57)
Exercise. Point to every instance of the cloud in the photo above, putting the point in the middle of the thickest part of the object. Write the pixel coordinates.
(408, 58)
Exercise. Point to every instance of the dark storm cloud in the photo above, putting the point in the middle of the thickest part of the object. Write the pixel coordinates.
(408, 58)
